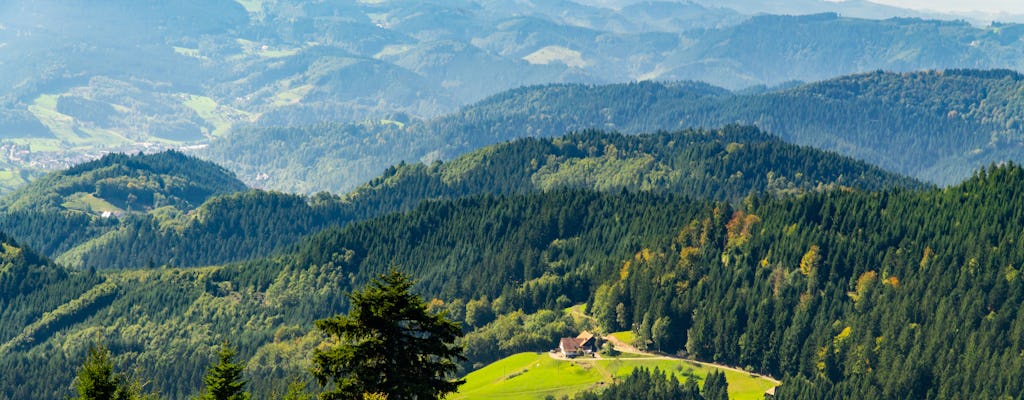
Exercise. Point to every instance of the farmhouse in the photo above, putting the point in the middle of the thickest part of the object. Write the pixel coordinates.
(580, 345)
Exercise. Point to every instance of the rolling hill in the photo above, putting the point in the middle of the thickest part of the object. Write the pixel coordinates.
(232, 225)
(66, 208)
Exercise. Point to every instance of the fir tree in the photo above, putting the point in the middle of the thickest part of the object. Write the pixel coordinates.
(97, 380)
(716, 387)
(224, 379)
(389, 344)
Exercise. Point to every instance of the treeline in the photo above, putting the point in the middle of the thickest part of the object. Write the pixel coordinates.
(266, 306)
(32, 290)
(655, 385)
(878, 117)
(848, 295)
(224, 229)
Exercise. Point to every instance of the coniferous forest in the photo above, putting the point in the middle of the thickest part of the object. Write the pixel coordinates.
(352, 199)
(878, 287)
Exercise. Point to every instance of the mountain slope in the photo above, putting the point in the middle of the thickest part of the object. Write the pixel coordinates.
(847, 294)
(119, 182)
(955, 121)
(66, 208)
(726, 164)
(723, 164)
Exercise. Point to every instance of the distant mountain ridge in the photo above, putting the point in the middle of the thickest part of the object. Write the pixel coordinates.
(721, 164)
(86, 78)
(937, 126)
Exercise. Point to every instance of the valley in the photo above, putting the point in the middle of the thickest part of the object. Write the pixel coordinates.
(171, 77)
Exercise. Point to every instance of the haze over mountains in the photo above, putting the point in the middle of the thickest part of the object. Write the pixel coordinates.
(953, 121)
(83, 78)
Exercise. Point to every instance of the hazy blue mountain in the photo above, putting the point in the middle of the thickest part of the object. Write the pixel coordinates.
(85, 78)
(935, 126)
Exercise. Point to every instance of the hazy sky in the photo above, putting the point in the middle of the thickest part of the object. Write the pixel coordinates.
(994, 6)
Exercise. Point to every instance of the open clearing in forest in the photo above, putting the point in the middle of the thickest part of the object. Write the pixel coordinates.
(537, 375)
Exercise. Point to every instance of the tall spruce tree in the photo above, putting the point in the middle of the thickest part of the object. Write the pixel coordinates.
(97, 380)
(388, 344)
(223, 380)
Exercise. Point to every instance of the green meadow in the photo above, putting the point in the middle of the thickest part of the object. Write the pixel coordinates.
(538, 375)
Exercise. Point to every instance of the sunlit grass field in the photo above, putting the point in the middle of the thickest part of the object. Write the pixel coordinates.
(537, 375)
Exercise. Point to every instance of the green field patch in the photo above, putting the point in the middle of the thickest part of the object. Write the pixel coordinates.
(628, 337)
(10, 179)
(538, 375)
(292, 96)
(392, 50)
(45, 109)
(221, 117)
(559, 54)
(529, 376)
(67, 131)
(89, 203)
(37, 144)
(266, 51)
(399, 124)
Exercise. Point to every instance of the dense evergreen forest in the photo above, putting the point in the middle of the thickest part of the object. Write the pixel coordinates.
(723, 164)
(841, 293)
(937, 126)
(856, 237)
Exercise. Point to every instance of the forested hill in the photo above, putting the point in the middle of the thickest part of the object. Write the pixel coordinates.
(35, 296)
(842, 294)
(722, 164)
(937, 126)
(124, 183)
(66, 208)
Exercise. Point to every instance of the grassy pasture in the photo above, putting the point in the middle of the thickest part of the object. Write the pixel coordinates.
(537, 375)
